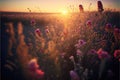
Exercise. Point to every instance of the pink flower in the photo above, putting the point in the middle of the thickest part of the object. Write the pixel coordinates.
(92, 51)
(71, 57)
(32, 65)
(47, 30)
(89, 23)
(117, 54)
(32, 22)
(80, 43)
(79, 53)
(39, 73)
(74, 75)
(34, 69)
(37, 31)
(77, 45)
(99, 51)
(102, 54)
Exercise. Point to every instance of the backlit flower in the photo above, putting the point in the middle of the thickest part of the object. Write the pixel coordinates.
(34, 69)
(99, 51)
(33, 65)
(39, 73)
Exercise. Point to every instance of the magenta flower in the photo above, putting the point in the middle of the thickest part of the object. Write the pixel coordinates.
(89, 23)
(99, 51)
(117, 54)
(38, 32)
(92, 51)
(74, 75)
(102, 54)
(33, 22)
(80, 43)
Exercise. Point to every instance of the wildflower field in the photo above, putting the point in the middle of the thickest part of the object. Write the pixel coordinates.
(46, 46)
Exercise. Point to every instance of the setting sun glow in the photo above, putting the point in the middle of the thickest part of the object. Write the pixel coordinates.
(64, 12)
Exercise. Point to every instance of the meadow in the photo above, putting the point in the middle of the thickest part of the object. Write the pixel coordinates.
(55, 46)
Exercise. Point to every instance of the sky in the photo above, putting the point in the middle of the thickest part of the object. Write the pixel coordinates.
(54, 5)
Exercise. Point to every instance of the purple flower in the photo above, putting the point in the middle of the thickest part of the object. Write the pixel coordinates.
(74, 75)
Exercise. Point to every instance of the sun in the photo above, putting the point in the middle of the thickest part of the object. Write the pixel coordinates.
(64, 12)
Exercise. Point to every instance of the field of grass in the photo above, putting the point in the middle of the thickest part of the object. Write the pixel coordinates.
(78, 46)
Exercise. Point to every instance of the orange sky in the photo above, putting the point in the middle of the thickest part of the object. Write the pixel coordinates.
(53, 5)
